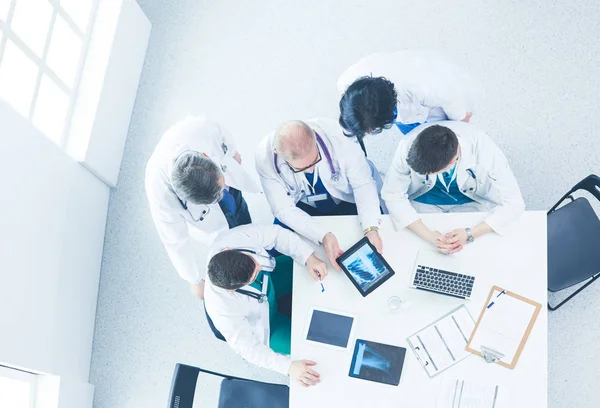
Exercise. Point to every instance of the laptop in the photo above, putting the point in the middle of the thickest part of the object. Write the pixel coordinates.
(439, 273)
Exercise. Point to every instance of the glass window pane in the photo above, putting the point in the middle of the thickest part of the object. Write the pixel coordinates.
(78, 10)
(18, 76)
(14, 393)
(51, 109)
(64, 52)
(31, 23)
(4, 8)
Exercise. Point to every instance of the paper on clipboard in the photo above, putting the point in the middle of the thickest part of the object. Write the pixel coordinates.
(442, 344)
(504, 325)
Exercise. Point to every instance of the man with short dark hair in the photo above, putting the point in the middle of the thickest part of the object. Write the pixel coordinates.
(194, 184)
(451, 167)
(249, 293)
(404, 88)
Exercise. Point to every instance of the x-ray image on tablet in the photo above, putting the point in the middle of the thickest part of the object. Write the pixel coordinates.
(365, 267)
(329, 328)
(377, 362)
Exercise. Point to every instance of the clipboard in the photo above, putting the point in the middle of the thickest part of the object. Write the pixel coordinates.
(499, 339)
(441, 344)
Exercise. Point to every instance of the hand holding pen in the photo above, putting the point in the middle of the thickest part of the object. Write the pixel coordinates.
(317, 268)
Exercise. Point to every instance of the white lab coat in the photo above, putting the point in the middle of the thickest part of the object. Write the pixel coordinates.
(355, 183)
(183, 237)
(423, 80)
(494, 185)
(242, 320)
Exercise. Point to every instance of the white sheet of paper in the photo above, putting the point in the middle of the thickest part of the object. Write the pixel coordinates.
(442, 344)
(456, 393)
(503, 326)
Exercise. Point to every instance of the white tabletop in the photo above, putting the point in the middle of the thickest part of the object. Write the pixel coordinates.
(516, 261)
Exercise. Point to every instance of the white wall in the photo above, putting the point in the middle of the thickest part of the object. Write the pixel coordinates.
(52, 221)
(108, 88)
(53, 212)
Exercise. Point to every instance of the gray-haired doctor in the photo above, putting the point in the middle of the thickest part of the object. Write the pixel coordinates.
(194, 184)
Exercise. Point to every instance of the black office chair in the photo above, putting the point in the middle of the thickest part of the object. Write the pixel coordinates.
(574, 241)
(234, 393)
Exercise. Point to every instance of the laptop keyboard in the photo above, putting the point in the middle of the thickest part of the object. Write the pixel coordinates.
(445, 282)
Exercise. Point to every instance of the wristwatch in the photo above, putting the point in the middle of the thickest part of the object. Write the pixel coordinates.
(366, 231)
(470, 237)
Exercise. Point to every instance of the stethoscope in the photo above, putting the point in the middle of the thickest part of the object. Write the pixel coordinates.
(206, 209)
(470, 171)
(335, 173)
(204, 214)
(269, 267)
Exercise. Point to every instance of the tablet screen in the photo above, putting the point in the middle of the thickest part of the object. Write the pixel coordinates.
(330, 328)
(366, 267)
(377, 362)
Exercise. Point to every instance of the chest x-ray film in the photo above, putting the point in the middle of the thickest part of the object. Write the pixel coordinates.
(329, 328)
(365, 267)
(377, 362)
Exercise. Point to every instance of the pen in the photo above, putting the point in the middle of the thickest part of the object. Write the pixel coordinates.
(322, 287)
(492, 304)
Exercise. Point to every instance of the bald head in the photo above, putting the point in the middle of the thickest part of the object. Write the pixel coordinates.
(294, 140)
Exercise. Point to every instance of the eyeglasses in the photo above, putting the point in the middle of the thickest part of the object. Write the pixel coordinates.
(295, 170)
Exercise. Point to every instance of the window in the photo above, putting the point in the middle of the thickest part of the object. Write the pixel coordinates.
(42, 48)
(17, 388)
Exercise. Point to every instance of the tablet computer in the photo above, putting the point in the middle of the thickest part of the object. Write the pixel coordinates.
(365, 267)
(329, 328)
(377, 362)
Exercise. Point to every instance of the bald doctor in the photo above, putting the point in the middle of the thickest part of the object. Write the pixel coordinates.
(308, 169)
(194, 184)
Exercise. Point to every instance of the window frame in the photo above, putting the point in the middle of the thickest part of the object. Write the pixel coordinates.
(41, 62)
(25, 376)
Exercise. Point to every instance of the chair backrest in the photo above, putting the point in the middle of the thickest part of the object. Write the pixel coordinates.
(591, 184)
(573, 236)
(234, 392)
(183, 386)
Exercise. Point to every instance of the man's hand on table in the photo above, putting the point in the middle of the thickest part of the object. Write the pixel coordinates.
(442, 243)
(332, 249)
(301, 370)
(316, 267)
(457, 238)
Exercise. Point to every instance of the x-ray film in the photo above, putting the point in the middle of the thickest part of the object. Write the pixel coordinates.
(377, 362)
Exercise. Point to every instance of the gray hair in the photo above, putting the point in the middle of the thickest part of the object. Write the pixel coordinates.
(195, 178)
(294, 139)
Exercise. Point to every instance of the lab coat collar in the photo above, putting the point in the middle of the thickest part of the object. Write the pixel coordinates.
(467, 158)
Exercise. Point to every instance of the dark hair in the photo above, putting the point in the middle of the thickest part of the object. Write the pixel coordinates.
(368, 106)
(433, 149)
(230, 269)
(195, 178)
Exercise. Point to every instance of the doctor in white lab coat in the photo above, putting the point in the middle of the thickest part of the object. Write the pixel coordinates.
(240, 310)
(194, 184)
(405, 88)
(446, 167)
(309, 169)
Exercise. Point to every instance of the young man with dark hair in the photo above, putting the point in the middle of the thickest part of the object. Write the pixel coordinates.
(404, 88)
(248, 295)
(451, 167)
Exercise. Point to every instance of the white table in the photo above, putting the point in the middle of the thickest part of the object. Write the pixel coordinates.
(516, 261)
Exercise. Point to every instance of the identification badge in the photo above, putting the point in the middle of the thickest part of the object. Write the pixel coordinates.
(316, 197)
(265, 284)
